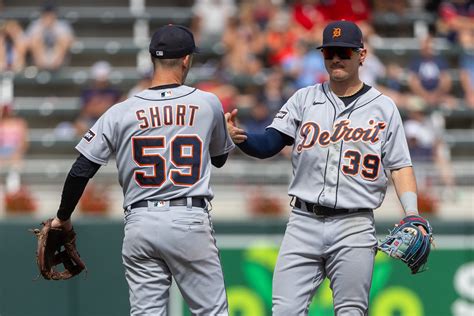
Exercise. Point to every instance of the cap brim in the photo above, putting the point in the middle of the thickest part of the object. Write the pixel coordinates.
(339, 44)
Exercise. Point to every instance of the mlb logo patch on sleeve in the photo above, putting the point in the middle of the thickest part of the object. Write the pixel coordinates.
(281, 114)
(89, 136)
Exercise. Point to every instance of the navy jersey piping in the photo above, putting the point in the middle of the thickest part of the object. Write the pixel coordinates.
(366, 103)
(342, 144)
(340, 158)
(326, 167)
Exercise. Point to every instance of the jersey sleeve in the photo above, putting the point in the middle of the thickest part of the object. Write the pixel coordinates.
(288, 118)
(97, 144)
(395, 153)
(220, 143)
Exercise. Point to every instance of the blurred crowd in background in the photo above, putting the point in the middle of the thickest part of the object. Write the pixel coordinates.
(263, 51)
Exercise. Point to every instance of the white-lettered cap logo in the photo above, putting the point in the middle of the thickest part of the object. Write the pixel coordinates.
(159, 53)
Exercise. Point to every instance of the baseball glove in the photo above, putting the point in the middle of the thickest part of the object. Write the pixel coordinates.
(49, 253)
(408, 243)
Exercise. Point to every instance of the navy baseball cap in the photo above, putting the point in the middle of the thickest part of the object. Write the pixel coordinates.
(172, 41)
(342, 34)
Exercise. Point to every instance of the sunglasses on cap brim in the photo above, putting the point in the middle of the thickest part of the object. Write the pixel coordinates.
(341, 52)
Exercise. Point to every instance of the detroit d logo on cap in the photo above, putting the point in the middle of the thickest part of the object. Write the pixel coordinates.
(336, 32)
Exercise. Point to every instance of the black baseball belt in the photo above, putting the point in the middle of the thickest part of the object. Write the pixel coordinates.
(321, 210)
(196, 202)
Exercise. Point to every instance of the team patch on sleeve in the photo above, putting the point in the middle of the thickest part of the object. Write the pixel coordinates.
(281, 114)
(89, 136)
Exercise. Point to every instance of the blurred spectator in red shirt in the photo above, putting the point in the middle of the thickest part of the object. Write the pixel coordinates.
(309, 19)
(12, 46)
(50, 39)
(280, 37)
(358, 11)
(351, 10)
(457, 22)
(307, 13)
(13, 138)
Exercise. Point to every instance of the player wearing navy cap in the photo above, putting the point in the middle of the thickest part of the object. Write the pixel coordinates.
(164, 139)
(346, 138)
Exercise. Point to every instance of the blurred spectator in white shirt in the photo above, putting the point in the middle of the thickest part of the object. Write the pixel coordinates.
(210, 18)
(372, 70)
(50, 39)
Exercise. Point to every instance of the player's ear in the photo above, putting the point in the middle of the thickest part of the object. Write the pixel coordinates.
(362, 55)
(188, 61)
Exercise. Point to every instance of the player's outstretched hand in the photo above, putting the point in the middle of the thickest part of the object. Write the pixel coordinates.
(237, 134)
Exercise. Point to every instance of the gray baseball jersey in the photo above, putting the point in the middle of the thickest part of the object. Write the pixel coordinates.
(341, 153)
(162, 140)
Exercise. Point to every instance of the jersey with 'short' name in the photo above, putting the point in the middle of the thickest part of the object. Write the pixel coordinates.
(161, 137)
(342, 153)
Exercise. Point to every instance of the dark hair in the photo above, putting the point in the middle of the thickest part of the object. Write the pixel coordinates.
(166, 63)
(48, 6)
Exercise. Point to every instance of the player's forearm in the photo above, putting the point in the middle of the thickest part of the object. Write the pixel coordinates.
(76, 181)
(72, 192)
(263, 145)
(405, 186)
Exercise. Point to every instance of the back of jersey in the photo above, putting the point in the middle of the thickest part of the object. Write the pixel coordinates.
(163, 139)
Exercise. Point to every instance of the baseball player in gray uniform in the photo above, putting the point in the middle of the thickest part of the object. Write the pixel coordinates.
(346, 138)
(164, 140)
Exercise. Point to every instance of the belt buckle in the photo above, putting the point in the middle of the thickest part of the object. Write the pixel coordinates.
(159, 203)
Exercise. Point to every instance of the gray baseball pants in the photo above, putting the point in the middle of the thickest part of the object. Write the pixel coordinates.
(163, 241)
(340, 247)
